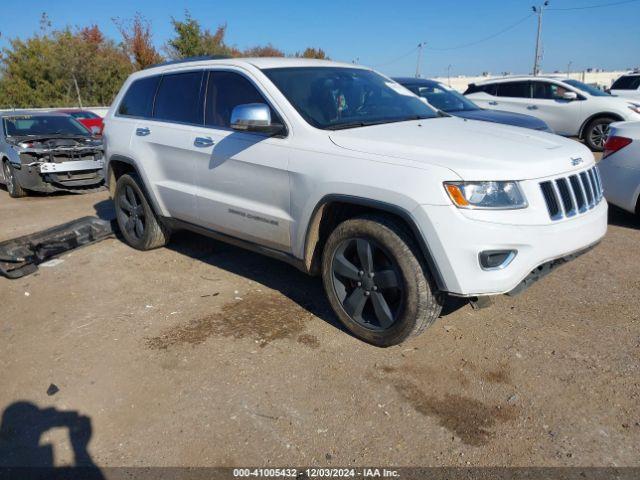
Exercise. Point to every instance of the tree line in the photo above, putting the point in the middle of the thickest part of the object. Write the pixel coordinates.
(81, 66)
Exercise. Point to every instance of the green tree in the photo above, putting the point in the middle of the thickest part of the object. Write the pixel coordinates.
(310, 52)
(266, 51)
(191, 40)
(54, 69)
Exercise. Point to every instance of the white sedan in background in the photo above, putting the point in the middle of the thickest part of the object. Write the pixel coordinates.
(620, 166)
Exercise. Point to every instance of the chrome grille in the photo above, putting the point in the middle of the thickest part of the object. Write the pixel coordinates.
(569, 196)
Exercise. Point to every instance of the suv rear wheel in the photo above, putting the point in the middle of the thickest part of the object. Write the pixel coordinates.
(13, 185)
(376, 282)
(596, 133)
(137, 222)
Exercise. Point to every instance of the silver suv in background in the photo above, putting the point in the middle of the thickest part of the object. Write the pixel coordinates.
(570, 108)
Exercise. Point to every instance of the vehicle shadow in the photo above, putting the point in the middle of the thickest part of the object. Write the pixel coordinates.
(306, 291)
(622, 218)
(22, 455)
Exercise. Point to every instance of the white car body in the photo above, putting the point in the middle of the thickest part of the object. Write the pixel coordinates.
(620, 171)
(627, 86)
(267, 191)
(565, 117)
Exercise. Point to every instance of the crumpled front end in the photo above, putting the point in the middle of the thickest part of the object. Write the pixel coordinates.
(60, 164)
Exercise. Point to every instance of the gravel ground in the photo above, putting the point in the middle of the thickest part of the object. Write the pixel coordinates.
(201, 354)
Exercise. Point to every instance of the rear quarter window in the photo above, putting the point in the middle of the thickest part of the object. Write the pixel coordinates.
(138, 101)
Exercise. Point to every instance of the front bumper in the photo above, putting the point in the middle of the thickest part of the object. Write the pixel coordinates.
(61, 176)
(455, 241)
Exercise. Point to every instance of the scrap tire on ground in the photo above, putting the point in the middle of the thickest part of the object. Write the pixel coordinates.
(411, 307)
(137, 221)
(13, 185)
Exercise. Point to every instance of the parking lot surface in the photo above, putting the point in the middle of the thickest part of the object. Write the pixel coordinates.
(203, 354)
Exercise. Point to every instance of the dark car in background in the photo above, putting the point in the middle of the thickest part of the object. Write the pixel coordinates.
(89, 119)
(448, 100)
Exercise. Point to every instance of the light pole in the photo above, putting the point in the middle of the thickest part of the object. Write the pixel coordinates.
(569, 68)
(536, 63)
(420, 47)
(449, 75)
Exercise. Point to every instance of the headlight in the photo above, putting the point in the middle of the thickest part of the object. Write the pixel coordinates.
(486, 195)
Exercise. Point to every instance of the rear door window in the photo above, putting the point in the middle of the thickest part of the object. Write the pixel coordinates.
(179, 98)
(514, 89)
(138, 101)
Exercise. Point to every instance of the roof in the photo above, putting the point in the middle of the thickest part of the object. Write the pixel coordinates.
(258, 62)
(521, 77)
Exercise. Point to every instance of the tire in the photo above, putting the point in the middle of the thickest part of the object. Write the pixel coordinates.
(137, 221)
(13, 185)
(400, 277)
(595, 133)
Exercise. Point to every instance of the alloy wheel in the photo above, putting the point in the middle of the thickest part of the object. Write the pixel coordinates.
(599, 134)
(368, 283)
(8, 176)
(132, 212)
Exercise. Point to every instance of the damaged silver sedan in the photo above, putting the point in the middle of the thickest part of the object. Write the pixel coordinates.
(48, 152)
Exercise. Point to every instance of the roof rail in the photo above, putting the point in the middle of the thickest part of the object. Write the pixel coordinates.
(190, 59)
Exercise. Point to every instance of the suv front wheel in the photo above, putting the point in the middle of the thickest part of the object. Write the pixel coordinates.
(376, 282)
(136, 219)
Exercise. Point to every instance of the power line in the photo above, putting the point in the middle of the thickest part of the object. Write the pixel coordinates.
(593, 6)
(397, 59)
(504, 30)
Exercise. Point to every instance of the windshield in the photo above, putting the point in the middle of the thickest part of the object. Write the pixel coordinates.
(332, 97)
(443, 98)
(41, 125)
(593, 91)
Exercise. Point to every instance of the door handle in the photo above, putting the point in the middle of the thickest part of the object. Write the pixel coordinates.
(203, 142)
(492, 102)
(142, 132)
(532, 107)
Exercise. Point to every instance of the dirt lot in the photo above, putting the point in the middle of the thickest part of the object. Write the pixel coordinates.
(204, 354)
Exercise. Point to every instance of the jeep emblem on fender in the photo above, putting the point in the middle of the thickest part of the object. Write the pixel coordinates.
(576, 161)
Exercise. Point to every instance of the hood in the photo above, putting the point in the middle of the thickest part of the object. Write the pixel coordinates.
(473, 150)
(508, 118)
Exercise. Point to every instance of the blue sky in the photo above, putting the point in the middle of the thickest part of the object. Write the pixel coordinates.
(380, 33)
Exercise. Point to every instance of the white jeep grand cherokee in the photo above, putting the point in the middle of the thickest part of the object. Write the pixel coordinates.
(345, 173)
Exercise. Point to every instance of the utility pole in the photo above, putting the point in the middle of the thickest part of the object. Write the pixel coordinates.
(75, 82)
(536, 63)
(569, 68)
(420, 47)
(449, 75)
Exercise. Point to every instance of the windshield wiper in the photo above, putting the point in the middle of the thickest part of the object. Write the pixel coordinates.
(360, 123)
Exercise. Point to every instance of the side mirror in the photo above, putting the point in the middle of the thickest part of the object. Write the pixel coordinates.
(570, 96)
(254, 117)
